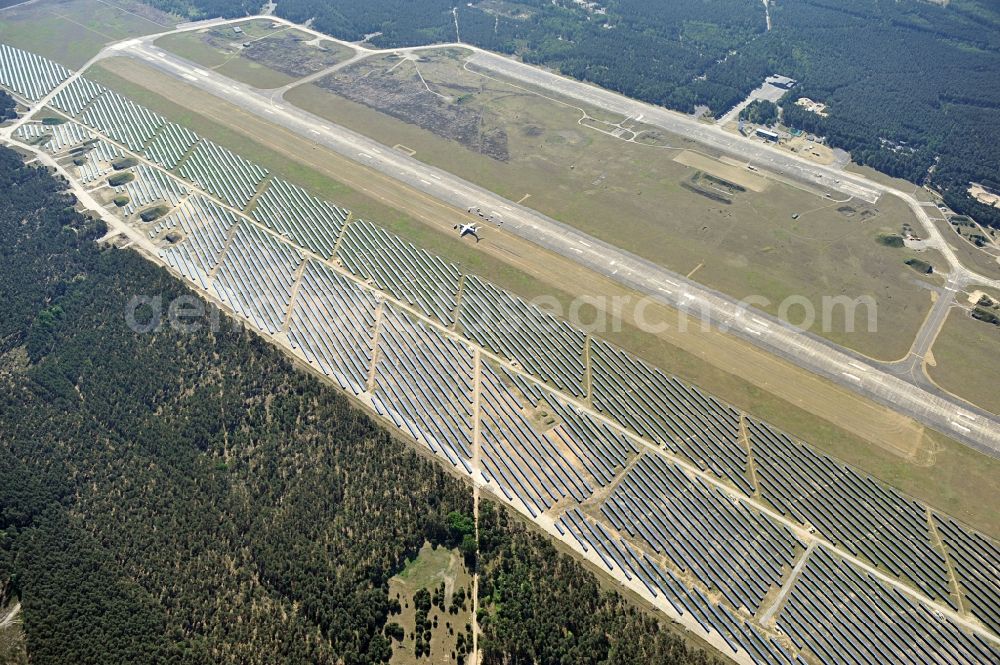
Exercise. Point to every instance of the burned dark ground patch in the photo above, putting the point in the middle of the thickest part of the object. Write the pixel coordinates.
(289, 54)
(404, 96)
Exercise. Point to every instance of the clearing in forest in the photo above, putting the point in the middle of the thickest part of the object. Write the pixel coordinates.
(437, 587)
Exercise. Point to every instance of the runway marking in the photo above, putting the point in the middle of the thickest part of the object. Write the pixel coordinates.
(959, 427)
(852, 377)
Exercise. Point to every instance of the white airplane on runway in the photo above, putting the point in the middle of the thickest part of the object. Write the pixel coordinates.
(468, 230)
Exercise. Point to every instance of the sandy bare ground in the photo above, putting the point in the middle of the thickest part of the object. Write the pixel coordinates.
(11, 616)
(983, 196)
(737, 175)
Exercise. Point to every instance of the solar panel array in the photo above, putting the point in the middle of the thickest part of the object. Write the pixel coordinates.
(423, 383)
(91, 171)
(723, 543)
(256, 276)
(522, 463)
(602, 450)
(664, 409)
(333, 325)
(170, 145)
(222, 173)
(854, 511)
(844, 615)
(407, 272)
(977, 566)
(615, 553)
(532, 392)
(539, 342)
(54, 138)
(122, 120)
(151, 186)
(307, 221)
(76, 95)
(106, 152)
(206, 227)
(29, 75)
(99, 160)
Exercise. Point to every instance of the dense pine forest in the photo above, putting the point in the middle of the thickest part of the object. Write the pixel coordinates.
(182, 496)
(188, 496)
(912, 87)
(8, 107)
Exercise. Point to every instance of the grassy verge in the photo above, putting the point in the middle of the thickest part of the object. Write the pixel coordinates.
(74, 31)
(967, 360)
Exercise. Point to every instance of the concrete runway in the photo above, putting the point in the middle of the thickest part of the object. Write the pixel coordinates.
(947, 414)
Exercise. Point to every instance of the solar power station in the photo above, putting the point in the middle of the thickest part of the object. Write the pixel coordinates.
(771, 550)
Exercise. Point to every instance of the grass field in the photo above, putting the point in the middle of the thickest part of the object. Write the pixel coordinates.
(871, 437)
(971, 256)
(882, 178)
(428, 571)
(73, 31)
(639, 197)
(967, 360)
(262, 56)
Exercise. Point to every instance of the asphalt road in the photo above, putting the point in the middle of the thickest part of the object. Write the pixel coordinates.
(911, 368)
(974, 427)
